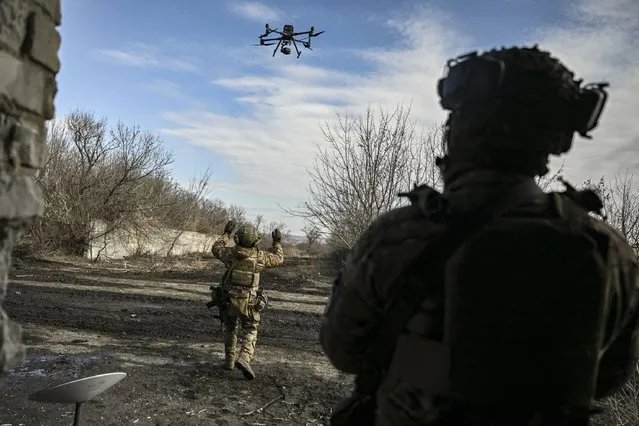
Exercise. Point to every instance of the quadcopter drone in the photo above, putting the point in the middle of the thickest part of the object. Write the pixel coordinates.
(286, 38)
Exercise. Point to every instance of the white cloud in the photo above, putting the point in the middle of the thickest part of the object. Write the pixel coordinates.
(174, 91)
(141, 55)
(601, 43)
(270, 148)
(255, 11)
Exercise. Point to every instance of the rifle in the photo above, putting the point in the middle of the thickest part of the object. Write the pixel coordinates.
(586, 198)
(219, 299)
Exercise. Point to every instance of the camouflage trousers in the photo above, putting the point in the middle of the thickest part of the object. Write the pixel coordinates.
(245, 328)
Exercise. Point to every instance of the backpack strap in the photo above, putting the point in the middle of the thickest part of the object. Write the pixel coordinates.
(414, 290)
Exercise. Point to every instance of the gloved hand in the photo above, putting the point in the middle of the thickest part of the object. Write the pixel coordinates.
(230, 227)
(277, 236)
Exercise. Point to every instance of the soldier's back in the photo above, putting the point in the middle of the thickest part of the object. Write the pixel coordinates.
(519, 321)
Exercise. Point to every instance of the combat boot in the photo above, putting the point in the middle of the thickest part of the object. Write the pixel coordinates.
(246, 369)
(229, 362)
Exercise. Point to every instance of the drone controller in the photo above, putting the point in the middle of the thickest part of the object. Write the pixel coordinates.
(471, 78)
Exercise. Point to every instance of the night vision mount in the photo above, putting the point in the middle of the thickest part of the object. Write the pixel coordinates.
(471, 78)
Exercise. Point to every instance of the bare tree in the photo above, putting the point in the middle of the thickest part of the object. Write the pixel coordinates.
(621, 205)
(546, 182)
(94, 173)
(312, 235)
(188, 211)
(364, 163)
(258, 222)
(213, 215)
(237, 214)
(428, 147)
(100, 182)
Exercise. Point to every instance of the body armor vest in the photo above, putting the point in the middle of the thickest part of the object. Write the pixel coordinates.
(242, 272)
(525, 307)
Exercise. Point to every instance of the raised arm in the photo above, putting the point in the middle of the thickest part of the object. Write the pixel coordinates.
(219, 249)
(275, 255)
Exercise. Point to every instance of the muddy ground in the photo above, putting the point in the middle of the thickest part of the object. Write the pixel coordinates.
(148, 318)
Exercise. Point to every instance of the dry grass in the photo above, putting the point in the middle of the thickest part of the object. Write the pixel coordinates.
(622, 408)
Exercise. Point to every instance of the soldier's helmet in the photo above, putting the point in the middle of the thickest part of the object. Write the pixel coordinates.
(246, 236)
(511, 108)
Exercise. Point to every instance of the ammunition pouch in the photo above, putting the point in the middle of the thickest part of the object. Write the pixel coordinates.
(261, 301)
(239, 302)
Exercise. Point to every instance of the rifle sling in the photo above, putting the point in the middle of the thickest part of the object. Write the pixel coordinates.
(414, 289)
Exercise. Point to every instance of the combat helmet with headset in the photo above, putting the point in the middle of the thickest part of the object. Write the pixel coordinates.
(246, 236)
(512, 108)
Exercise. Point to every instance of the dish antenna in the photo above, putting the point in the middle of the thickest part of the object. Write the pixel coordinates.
(78, 391)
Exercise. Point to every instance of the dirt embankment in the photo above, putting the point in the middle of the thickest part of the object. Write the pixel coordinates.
(150, 321)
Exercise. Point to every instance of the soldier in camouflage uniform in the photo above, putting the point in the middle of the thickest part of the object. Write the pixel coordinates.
(493, 144)
(241, 284)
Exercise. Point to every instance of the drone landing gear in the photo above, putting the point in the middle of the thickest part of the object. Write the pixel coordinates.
(279, 43)
(296, 49)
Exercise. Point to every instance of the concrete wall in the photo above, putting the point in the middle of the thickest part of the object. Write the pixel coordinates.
(29, 63)
(121, 244)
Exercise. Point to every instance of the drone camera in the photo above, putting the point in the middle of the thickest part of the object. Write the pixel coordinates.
(285, 50)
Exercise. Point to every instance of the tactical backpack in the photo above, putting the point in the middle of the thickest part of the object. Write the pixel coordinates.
(525, 301)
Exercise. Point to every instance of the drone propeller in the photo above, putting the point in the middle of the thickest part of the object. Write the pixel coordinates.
(316, 34)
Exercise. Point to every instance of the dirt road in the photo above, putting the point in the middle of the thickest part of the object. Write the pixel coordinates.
(150, 321)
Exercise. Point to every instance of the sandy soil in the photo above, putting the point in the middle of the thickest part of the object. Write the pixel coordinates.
(150, 320)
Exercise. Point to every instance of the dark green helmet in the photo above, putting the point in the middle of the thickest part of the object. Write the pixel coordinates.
(246, 236)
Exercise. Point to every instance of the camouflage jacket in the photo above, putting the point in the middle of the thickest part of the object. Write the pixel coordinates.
(247, 261)
(366, 286)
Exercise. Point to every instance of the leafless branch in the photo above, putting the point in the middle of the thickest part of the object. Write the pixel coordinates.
(361, 166)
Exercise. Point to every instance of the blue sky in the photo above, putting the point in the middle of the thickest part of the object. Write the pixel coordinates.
(193, 76)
